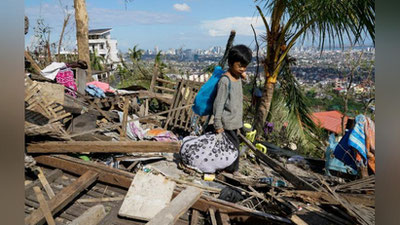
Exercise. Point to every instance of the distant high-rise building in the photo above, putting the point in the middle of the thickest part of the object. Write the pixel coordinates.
(156, 50)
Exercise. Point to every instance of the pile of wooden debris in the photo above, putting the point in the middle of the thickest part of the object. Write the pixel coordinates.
(114, 160)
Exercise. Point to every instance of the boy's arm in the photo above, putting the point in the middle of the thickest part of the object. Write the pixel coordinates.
(219, 102)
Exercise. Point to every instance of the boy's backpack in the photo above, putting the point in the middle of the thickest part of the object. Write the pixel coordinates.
(203, 103)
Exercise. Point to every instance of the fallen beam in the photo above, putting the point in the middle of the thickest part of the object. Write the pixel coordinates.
(289, 176)
(323, 197)
(103, 146)
(64, 197)
(92, 216)
(180, 204)
(77, 166)
(124, 179)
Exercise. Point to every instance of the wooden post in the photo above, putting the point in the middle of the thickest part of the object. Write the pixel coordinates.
(82, 34)
(81, 80)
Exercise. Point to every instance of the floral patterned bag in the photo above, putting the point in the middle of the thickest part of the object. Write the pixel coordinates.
(208, 153)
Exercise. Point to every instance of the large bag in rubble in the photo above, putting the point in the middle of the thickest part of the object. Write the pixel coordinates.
(208, 153)
(203, 103)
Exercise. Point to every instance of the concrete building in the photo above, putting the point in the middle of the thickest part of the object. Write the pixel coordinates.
(100, 42)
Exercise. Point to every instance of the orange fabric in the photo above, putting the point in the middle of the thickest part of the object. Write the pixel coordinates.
(155, 132)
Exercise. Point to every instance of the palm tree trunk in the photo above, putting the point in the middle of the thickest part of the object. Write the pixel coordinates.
(82, 37)
(264, 107)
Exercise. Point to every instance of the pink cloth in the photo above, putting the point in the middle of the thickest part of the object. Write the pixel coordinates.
(66, 78)
(103, 86)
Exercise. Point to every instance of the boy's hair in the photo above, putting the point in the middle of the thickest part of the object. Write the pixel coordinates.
(240, 53)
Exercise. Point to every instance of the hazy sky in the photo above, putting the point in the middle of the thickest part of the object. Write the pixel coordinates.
(149, 23)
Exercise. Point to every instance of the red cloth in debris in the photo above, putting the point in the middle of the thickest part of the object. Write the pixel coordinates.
(66, 78)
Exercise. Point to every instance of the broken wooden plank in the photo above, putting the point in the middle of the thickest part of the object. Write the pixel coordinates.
(91, 200)
(79, 167)
(54, 174)
(124, 179)
(65, 196)
(44, 207)
(147, 195)
(195, 217)
(297, 220)
(289, 176)
(180, 204)
(92, 216)
(165, 81)
(45, 183)
(103, 146)
(211, 210)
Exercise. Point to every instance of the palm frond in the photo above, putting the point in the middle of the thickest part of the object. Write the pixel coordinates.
(297, 114)
(329, 20)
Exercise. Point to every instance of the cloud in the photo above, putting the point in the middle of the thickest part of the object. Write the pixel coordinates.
(241, 25)
(182, 7)
(113, 17)
(101, 17)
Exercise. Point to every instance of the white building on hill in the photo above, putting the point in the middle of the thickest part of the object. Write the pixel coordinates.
(100, 42)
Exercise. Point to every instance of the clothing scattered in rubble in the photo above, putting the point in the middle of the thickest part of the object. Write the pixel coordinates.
(66, 78)
(52, 70)
(95, 91)
(103, 86)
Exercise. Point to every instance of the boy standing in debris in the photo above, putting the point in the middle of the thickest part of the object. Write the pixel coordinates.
(228, 104)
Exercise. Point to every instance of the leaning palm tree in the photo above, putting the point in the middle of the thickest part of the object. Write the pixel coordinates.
(324, 20)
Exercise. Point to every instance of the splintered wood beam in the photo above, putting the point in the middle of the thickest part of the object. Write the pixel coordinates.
(103, 146)
(50, 178)
(298, 182)
(64, 197)
(180, 204)
(44, 206)
(77, 166)
(124, 179)
(45, 183)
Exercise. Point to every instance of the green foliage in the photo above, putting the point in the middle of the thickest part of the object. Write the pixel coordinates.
(96, 61)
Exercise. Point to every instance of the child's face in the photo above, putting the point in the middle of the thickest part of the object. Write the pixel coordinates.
(238, 68)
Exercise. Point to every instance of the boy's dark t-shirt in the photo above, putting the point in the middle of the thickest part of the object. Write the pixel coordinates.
(229, 115)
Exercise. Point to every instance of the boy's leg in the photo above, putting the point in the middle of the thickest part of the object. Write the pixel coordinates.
(232, 135)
